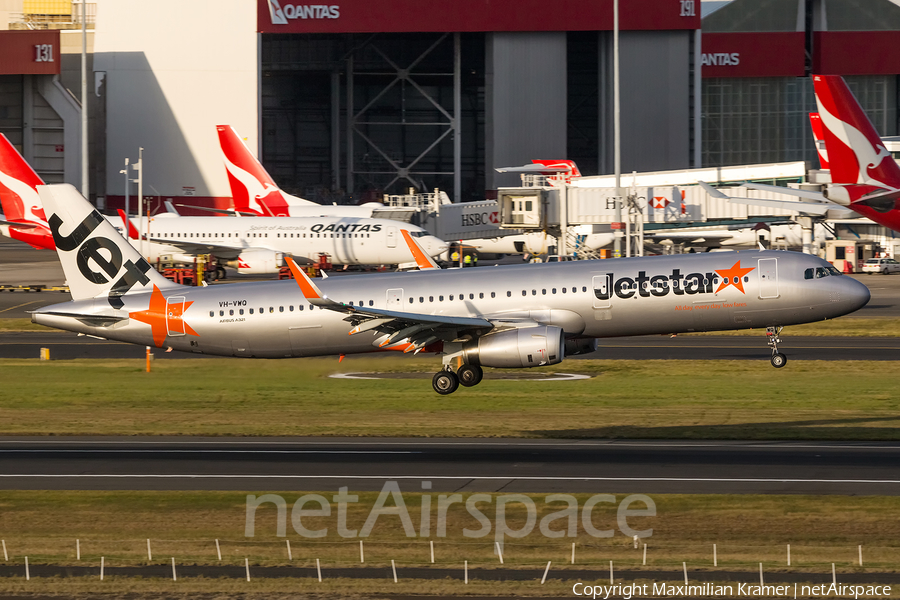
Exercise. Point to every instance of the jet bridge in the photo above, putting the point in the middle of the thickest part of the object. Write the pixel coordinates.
(661, 200)
(553, 204)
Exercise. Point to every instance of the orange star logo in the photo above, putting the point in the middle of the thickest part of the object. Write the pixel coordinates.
(163, 317)
(733, 276)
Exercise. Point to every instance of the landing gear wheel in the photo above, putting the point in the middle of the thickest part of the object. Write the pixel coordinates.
(445, 382)
(779, 360)
(470, 375)
(220, 273)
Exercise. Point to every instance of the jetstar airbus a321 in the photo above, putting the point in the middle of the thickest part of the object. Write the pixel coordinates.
(513, 316)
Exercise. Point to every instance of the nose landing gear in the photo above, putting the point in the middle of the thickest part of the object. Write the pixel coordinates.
(778, 359)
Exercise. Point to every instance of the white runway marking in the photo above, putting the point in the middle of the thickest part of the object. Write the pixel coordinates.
(195, 451)
(555, 377)
(503, 443)
(456, 477)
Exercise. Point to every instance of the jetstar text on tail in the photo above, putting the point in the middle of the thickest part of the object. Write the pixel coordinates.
(110, 262)
(661, 285)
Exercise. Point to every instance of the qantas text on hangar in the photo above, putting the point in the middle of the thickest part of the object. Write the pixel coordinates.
(280, 14)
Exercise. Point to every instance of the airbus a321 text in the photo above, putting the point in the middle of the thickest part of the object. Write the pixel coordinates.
(513, 316)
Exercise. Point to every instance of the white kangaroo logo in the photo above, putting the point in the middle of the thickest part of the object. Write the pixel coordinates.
(255, 189)
(29, 196)
(867, 155)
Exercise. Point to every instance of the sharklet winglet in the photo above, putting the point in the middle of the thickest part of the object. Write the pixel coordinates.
(310, 290)
(423, 261)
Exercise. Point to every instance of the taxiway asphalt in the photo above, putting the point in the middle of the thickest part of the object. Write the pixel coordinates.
(66, 346)
(450, 465)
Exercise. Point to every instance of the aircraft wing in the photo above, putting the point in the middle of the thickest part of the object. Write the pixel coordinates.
(532, 168)
(777, 189)
(820, 207)
(689, 235)
(408, 331)
(226, 252)
(220, 211)
(804, 207)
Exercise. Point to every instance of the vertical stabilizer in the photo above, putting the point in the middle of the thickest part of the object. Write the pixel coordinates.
(17, 186)
(855, 152)
(96, 259)
(252, 188)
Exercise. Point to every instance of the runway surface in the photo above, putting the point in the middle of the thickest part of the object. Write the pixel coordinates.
(65, 346)
(450, 465)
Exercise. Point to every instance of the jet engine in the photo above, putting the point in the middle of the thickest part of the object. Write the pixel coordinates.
(516, 348)
(257, 261)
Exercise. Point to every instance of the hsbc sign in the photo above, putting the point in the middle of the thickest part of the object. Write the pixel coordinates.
(281, 14)
(478, 219)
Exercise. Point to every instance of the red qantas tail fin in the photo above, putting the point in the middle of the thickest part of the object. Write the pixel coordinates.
(818, 130)
(126, 222)
(565, 164)
(855, 151)
(20, 201)
(18, 181)
(252, 187)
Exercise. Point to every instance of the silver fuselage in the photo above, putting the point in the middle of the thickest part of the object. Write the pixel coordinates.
(586, 299)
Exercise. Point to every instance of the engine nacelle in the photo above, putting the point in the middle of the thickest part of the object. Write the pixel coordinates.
(257, 261)
(577, 346)
(516, 348)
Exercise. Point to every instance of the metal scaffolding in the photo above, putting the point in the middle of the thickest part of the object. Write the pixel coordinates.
(401, 163)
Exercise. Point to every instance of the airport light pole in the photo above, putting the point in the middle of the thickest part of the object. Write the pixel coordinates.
(125, 170)
(139, 167)
(84, 102)
(617, 156)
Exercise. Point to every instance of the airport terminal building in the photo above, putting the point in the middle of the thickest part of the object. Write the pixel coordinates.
(347, 101)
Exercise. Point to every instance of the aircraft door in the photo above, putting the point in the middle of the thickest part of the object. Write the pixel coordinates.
(395, 299)
(391, 237)
(768, 278)
(602, 287)
(174, 310)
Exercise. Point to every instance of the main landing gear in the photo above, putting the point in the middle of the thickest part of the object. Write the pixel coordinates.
(778, 359)
(446, 381)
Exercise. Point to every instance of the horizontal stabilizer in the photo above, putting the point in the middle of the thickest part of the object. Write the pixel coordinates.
(19, 225)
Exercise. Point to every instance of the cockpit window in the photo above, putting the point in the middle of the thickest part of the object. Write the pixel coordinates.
(820, 272)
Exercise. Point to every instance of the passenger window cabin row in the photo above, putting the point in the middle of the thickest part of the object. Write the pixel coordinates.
(451, 297)
(259, 235)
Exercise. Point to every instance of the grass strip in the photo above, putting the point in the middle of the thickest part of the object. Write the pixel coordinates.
(747, 530)
(723, 399)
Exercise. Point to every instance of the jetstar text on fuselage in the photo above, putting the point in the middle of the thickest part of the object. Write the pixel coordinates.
(345, 228)
(656, 285)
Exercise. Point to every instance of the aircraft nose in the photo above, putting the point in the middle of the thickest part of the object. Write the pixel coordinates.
(858, 294)
(438, 246)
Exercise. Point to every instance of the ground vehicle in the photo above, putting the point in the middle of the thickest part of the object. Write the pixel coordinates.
(885, 266)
